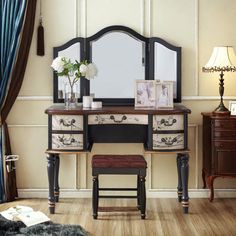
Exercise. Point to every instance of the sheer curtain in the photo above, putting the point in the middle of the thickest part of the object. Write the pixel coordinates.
(16, 30)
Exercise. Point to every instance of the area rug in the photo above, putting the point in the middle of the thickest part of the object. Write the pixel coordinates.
(18, 228)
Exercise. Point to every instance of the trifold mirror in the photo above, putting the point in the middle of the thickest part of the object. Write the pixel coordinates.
(121, 56)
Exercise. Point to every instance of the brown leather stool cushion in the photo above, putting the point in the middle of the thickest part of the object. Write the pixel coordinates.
(118, 161)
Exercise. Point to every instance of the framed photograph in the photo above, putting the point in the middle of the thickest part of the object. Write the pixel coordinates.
(145, 93)
(164, 95)
(232, 107)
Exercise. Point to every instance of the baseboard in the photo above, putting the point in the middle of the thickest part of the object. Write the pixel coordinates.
(153, 193)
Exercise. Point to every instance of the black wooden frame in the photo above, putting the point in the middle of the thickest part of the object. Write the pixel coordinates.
(56, 51)
(152, 42)
(86, 54)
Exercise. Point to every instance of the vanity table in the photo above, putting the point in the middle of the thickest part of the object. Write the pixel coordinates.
(122, 56)
(76, 130)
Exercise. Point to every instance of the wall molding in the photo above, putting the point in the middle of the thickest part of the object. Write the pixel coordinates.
(184, 98)
(154, 193)
(197, 46)
(26, 126)
(34, 98)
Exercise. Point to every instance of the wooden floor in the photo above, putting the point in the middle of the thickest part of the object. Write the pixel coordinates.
(164, 217)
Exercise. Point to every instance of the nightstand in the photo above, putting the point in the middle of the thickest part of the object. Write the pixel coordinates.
(219, 148)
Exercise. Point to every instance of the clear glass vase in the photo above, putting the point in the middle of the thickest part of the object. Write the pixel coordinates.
(70, 96)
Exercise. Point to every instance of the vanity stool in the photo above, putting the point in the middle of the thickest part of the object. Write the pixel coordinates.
(119, 165)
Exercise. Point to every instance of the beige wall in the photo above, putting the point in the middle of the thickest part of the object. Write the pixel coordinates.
(195, 25)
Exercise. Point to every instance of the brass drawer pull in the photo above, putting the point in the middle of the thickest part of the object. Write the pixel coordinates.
(168, 122)
(124, 117)
(69, 123)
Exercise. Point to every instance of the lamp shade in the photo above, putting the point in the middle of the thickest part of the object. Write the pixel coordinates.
(220, 60)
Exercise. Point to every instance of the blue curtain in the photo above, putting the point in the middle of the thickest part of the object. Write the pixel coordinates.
(11, 19)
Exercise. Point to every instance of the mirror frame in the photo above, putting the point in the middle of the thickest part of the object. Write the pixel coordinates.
(86, 54)
(134, 35)
(154, 40)
(56, 51)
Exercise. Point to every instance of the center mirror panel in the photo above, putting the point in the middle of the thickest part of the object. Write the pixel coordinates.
(120, 58)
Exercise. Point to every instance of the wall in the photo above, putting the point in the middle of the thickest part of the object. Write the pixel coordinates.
(197, 26)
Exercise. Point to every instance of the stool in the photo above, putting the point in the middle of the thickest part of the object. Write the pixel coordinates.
(119, 165)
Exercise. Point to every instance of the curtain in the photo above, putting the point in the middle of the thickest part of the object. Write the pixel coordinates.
(16, 29)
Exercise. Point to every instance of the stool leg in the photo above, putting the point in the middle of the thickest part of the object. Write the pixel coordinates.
(95, 196)
(142, 197)
(138, 192)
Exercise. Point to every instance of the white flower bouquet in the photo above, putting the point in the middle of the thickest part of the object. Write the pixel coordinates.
(73, 71)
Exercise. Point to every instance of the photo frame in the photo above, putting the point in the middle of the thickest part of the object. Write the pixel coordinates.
(145, 96)
(232, 107)
(164, 95)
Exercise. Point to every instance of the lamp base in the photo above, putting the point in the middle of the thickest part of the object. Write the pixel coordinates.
(221, 110)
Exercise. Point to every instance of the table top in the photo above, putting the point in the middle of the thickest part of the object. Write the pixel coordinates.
(79, 110)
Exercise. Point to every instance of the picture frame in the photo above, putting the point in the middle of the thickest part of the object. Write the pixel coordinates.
(145, 96)
(164, 95)
(232, 107)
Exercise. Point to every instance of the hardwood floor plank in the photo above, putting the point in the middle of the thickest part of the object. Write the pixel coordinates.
(164, 217)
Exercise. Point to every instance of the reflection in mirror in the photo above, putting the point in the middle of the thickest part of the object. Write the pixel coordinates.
(120, 60)
(72, 52)
(165, 65)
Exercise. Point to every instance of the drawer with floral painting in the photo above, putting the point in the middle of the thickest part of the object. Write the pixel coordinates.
(169, 132)
(66, 132)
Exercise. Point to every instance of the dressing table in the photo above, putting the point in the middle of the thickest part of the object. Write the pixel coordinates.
(75, 130)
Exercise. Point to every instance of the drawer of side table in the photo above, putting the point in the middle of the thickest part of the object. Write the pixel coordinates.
(225, 145)
(225, 124)
(168, 141)
(67, 141)
(118, 119)
(226, 134)
(168, 122)
(67, 122)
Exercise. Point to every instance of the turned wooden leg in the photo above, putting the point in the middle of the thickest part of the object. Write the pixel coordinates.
(51, 174)
(56, 183)
(179, 188)
(204, 178)
(95, 196)
(210, 180)
(184, 177)
(143, 197)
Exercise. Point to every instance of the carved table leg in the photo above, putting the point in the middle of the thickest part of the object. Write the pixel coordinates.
(179, 188)
(51, 174)
(56, 183)
(184, 177)
(95, 196)
(204, 178)
(210, 180)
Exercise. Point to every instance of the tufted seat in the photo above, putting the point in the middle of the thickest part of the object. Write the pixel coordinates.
(119, 161)
(119, 165)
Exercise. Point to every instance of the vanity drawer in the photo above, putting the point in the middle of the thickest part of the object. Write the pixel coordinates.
(117, 119)
(67, 141)
(168, 141)
(67, 122)
(168, 122)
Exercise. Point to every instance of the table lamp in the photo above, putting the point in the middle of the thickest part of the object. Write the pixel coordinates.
(220, 61)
